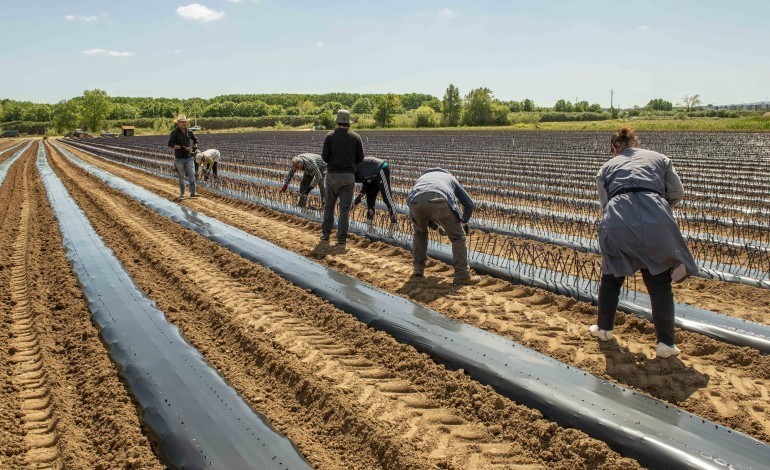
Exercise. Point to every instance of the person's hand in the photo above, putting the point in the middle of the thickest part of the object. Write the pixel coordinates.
(466, 229)
(357, 200)
(284, 188)
(184, 149)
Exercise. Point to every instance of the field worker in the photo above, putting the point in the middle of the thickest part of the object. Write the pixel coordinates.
(211, 157)
(435, 197)
(203, 165)
(374, 176)
(342, 151)
(184, 143)
(637, 189)
(313, 170)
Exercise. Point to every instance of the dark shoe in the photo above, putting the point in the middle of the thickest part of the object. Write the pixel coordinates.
(418, 274)
(342, 242)
(325, 238)
(467, 281)
(370, 215)
(195, 195)
(393, 219)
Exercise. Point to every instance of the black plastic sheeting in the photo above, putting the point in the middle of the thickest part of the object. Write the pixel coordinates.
(198, 420)
(655, 433)
(6, 165)
(723, 327)
(722, 272)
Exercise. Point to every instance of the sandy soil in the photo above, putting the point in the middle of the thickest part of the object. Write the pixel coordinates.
(62, 404)
(727, 384)
(348, 396)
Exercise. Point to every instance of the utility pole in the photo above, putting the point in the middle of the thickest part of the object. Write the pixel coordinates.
(612, 110)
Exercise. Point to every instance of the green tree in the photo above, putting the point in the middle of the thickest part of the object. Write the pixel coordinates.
(691, 102)
(37, 112)
(124, 111)
(528, 105)
(478, 107)
(514, 106)
(659, 104)
(387, 107)
(362, 106)
(433, 103)
(66, 116)
(500, 113)
(96, 106)
(563, 106)
(595, 108)
(13, 111)
(326, 119)
(452, 105)
(425, 116)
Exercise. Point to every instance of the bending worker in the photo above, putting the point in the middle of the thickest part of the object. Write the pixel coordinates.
(435, 197)
(181, 140)
(206, 163)
(374, 176)
(637, 189)
(314, 173)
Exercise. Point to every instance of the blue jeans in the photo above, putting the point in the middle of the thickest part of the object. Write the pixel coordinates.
(185, 166)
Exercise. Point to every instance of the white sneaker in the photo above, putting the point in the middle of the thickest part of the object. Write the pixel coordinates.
(679, 273)
(664, 351)
(604, 335)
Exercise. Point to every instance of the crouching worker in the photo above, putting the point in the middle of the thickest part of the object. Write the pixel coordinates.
(374, 176)
(314, 173)
(435, 197)
(206, 163)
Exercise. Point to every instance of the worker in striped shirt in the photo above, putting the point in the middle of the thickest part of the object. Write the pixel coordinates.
(314, 173)
(374, 176)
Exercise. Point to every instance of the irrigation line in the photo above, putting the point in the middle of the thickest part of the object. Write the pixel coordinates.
(722, 327)
(653, 432)
(195, 416)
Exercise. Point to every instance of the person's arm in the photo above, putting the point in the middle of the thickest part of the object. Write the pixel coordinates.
(359, 151)
(674, 189)
(172, 140)
(313, 168)
(601, 190)
(465, 201)
(289, 176)
(327, 150)
(193, 139)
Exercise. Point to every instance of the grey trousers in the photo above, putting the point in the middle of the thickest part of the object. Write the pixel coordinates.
(338, 186)
(185, 166)
(433, 206)
(305, 188)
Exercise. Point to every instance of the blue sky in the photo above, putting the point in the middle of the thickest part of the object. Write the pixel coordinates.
(543, 50)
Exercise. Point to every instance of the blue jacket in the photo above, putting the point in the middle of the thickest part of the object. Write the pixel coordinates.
(438, 180)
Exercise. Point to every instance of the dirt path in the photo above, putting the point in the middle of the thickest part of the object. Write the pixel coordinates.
(62, 403)
(727, 384)
(346, 395)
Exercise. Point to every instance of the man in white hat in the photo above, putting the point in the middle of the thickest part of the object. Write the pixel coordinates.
(185, 145)
(206, 163)
(342, 151)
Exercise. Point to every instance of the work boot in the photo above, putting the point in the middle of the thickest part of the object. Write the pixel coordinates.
(596, 332)
(665, 351)
(467, 281)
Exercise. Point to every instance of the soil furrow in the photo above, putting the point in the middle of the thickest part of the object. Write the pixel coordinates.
(62, 402)
(408, 408)
(722, 382)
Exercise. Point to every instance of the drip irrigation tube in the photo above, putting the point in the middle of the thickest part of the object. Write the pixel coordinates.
(722, 327)
(653, 432)
(6, 165)
(197, 418)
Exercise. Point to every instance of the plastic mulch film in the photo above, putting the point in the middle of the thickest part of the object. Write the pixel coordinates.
(653, 432)
(6, 165)
(198, 420)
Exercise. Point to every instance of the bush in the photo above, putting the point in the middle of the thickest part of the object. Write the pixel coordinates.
(425, 116)
(564, 117)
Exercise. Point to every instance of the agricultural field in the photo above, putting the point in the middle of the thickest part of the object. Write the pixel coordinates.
(346, 389)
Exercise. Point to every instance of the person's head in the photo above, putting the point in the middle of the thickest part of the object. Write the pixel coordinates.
(199, 157)
(296, 162)
(343, 118)
(181, 121)
(623, 139)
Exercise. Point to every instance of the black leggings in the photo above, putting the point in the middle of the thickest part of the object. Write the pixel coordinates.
(379, 185)
(661, 299)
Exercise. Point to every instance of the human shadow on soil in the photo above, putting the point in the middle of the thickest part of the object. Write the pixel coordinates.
(427, 289)
(669, 379)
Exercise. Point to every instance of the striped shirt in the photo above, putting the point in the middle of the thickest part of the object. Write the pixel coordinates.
(312, 163)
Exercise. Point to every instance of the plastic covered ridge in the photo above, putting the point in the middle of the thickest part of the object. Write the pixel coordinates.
(6, 165)
(198, 420)
(657, 434)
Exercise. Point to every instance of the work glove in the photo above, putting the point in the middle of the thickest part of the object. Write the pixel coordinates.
(393, 219)
(357, 200)
(284, 188)
(466, 229)
(185, 149)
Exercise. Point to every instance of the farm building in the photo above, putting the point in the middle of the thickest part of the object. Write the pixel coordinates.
(127, 131)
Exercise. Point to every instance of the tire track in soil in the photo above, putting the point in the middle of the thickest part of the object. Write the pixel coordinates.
(724, 383)
(62, 403)
(409, 410)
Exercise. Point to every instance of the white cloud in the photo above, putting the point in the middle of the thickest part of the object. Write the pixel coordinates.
(198, 12)
(319, 44)
(446, 13)
(176, 51)
(235, 1)
(98, 51)
(642, 27)
(80, 18)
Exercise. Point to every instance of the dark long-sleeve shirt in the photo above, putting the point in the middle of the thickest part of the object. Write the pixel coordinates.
(178, 137)
(368, 169)
(440, 181)
(311, 163)
(342, 150)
